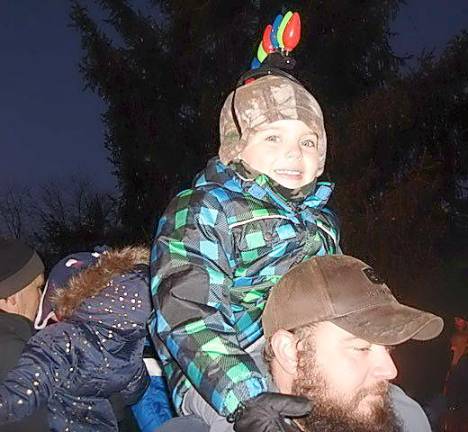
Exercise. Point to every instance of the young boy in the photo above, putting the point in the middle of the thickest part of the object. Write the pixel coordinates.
(220, 246)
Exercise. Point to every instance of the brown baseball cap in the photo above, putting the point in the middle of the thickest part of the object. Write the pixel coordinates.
(347, 292)
(266, 100)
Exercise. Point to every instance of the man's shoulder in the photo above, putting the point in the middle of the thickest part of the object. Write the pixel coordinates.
(15, 331)
(408, 411)
(15, 326)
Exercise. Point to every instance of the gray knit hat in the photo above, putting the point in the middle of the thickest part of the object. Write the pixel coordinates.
(19, 266)
(266, 100)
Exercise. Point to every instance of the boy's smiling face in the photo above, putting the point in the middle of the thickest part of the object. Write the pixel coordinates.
(286, 151)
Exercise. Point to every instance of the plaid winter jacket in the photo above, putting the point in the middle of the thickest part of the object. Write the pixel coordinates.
(218, 250)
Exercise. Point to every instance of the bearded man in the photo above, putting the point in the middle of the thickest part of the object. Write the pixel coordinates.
(329, 326)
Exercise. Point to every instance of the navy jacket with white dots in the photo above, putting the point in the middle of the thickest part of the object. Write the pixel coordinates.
(74, 366)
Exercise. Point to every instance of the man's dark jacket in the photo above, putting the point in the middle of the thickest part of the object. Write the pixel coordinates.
(15, 331)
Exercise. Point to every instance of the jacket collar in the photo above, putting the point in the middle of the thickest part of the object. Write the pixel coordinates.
(261, 188)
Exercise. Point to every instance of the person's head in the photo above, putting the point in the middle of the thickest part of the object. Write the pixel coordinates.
(89, 286)
(59, 278)
(275, 126)
(458, 345)
(21, 278)
(329, 325)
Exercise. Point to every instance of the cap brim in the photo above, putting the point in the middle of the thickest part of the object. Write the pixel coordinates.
(391, 324)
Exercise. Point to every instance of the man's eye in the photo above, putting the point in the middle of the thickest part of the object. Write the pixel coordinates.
(272, 138)
(362, 349)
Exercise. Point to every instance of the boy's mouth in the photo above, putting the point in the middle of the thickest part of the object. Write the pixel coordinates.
(289, 172)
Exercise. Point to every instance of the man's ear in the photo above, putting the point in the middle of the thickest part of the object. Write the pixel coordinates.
(284, 345)
(9, 304)
(13, 299)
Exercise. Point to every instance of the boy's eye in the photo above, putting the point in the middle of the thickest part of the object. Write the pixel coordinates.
(310, 142)
(272, 138)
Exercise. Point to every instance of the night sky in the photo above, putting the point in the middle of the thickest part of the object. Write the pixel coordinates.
(50, 127)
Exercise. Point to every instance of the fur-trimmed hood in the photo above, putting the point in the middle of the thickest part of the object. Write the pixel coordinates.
(111, 290)
(96, 278)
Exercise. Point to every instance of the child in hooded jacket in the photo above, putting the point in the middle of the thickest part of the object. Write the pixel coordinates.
(95, 350)
(253, 213)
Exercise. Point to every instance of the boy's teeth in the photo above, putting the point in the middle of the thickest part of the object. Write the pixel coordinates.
(290, 172)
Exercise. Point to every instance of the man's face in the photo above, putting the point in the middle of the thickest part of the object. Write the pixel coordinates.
(347, 379)
(286, 151)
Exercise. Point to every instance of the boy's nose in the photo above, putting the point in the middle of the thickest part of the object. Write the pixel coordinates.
(293, 152)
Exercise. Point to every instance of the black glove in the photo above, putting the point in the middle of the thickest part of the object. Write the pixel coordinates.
(268, 411)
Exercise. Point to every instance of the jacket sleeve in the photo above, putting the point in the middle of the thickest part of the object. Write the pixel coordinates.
(137, 386)
(329, 224)
(45, 363)
(192, 269)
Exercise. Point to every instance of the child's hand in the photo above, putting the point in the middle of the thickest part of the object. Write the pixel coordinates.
(268, 412)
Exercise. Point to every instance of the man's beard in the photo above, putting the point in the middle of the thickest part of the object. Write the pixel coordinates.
(332, 415)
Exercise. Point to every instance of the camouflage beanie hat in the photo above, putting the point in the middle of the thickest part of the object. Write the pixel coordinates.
(266, 100)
